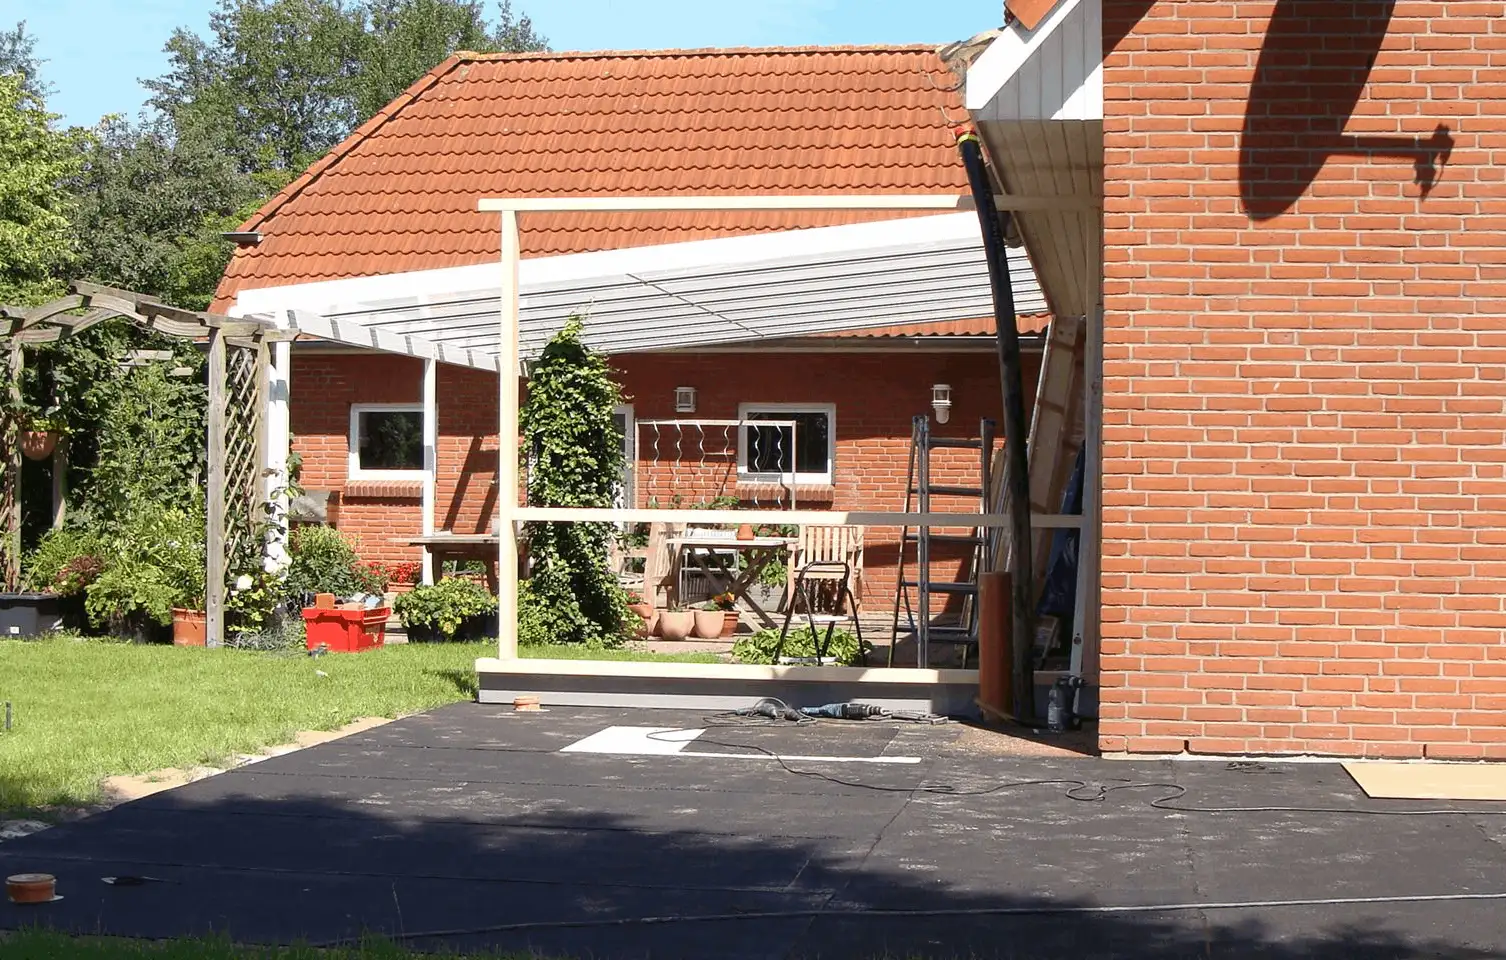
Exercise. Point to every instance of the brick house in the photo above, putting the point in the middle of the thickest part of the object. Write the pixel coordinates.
(398, 199)
(1282, 226)
(1304, 367)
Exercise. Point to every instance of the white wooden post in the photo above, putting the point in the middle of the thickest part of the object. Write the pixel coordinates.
(214, 533)
(1086, 614)
(431, 457)
(278, 447)
(507, 445)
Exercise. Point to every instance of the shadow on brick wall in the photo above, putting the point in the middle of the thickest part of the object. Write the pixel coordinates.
(1314, 66)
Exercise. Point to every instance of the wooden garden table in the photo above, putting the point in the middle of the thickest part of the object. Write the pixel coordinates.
(759, 552)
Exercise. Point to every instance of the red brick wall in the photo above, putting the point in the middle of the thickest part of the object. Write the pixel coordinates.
(875, 397)
(323, 388)
(1305, 381)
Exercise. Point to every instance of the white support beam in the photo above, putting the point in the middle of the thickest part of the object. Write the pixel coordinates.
(1020, 203)
(894, 201)
(1003, 201)
(507, 446)
(278, 446)
(869, 518)
(431, 458)
(359, 335)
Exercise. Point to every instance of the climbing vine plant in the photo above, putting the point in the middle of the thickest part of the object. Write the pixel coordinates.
(573, 458)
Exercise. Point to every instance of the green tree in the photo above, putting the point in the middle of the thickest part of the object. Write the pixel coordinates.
(18, 55)
(272, 81)
(408, 37)
(280, 82)
(36, 161)
(152, 208)
(576, 461)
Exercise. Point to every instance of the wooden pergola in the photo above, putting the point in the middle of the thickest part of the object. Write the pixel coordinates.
(238, 361)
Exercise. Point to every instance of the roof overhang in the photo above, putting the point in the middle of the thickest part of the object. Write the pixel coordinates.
(1036, 95)
(755, 289)
(1051, 72)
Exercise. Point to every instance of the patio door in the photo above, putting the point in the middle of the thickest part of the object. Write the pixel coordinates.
(622, 419)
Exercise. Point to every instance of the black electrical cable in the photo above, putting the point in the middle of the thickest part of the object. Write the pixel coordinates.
(1082, 791)
(816, 913)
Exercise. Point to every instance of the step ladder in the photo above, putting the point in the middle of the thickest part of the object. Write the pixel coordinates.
(916, 583)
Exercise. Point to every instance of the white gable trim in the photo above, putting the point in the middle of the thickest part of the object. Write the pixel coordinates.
(1054, 72)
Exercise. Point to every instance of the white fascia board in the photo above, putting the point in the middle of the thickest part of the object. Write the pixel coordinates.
(873, 201)
(1054, 72)
(341, 296)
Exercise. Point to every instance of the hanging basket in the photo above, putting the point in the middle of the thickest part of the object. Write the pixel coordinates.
(38, 444)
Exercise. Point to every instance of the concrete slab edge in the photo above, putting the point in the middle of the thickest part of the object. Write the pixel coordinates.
(727, 693)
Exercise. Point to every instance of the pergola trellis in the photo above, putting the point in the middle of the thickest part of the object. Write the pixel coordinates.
(238, 361)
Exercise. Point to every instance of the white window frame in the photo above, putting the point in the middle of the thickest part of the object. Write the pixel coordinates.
(826, 478)
(353, 469)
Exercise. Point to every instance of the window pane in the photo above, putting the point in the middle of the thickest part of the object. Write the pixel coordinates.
(392, 440)
(769, 447)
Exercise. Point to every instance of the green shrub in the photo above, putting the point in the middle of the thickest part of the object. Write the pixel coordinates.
(443, 607)
(759, 647)
(65, 561)
(153, 561)
(574, 460)
(322, 560)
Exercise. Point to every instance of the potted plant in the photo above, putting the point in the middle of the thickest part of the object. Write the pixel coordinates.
(727, 604)
(455, 607)
(638, 605)
(709, 620)
(676, 623)
(648, 617)
(39, 437)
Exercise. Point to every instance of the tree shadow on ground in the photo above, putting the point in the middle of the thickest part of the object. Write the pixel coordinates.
(441, 857)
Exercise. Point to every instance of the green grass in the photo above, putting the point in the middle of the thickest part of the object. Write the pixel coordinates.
(86, 710)
(570, 651)
(40, 945)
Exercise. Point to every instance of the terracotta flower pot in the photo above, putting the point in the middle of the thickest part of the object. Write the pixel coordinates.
(709, 623)
(745, 532)
(188, 627)
(730, 620)
(644, 610)
(676, 624)
(38, 444)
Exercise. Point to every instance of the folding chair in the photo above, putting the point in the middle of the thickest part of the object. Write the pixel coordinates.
(823, 590)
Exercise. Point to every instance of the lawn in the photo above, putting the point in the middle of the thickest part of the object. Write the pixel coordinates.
(85, 710)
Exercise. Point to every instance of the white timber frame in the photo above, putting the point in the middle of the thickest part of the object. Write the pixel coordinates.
(510, 514)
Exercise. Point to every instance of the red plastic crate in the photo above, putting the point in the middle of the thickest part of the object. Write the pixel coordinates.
(345, 631)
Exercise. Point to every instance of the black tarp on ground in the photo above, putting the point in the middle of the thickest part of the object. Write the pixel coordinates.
(470, 817)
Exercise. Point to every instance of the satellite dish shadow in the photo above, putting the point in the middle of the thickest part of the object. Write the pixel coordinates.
(1313, 69)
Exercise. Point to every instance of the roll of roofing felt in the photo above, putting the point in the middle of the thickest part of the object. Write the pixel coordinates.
(31, 887)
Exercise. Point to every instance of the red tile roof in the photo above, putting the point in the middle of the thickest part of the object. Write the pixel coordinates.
(983, 327)
(400, 193)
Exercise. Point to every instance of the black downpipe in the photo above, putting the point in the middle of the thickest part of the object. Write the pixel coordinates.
(1015, 430)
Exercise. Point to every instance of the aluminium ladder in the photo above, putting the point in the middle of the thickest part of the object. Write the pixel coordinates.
(915, 619)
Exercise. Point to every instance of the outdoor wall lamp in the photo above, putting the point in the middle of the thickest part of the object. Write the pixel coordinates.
(684, 399)
(941, 401)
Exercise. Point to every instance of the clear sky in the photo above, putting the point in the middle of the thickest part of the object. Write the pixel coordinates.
(96, 51)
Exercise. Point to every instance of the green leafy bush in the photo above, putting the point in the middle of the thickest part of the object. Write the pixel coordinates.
(322, 560)
(153, 561)
(759, 647)
(575, 460)
(65, 561)
(444, 606)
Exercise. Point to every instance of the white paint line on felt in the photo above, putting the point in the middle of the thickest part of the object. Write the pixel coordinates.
(671, 742)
